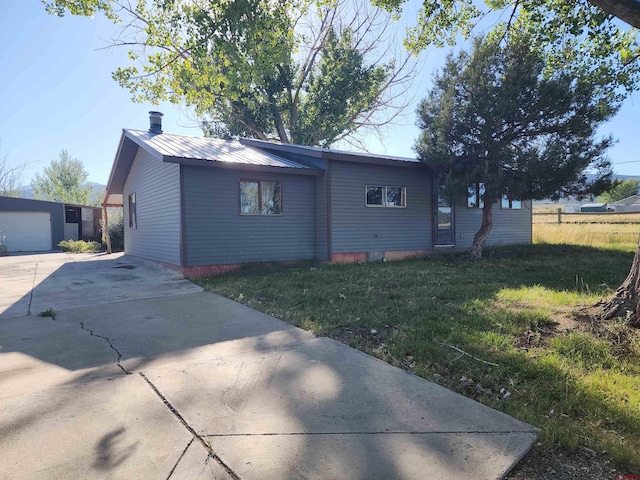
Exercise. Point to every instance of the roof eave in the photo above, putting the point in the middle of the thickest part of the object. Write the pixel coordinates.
(194, 162)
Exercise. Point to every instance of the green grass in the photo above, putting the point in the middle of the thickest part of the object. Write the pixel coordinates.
(49, 312)
(580, 386)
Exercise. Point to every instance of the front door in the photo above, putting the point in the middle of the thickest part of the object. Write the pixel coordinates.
(444, 234)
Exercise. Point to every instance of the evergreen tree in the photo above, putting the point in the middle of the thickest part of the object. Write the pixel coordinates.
(494, 121)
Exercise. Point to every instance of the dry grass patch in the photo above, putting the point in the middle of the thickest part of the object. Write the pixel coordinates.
(609, 236)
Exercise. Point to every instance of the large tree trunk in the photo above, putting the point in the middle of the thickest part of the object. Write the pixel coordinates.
(626, 10)
(485, 230)
(626, 301)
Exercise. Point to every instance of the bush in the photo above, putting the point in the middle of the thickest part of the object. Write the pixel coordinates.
(3, 248)
(116, 230)
(80, 246)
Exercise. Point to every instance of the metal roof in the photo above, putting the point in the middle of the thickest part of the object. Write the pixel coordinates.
(632, 200)
(327, 152)
(212, 149)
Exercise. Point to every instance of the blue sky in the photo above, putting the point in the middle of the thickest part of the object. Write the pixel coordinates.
(56, 92)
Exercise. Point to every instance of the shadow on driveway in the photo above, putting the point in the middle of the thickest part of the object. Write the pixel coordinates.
(262, 398)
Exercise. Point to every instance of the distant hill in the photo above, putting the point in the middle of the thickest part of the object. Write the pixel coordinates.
(95, 197)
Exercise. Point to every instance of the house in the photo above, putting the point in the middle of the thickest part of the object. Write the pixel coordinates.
(593, 208)
(205, 205)
(630, 204)
(34, 225)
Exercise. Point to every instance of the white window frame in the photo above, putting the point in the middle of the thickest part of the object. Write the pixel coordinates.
(384, 196)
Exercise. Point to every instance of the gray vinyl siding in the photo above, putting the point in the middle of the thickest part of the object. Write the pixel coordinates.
(322, 219)
(358, 228)
(215, 232)
(157, 188)
(509, 226)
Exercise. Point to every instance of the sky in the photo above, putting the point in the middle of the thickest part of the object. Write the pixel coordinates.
(56, 92)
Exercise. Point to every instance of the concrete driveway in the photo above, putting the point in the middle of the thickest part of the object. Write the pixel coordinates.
(161, 380)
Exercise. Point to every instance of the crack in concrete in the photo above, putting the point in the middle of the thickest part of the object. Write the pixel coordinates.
(124, 370)
(191, 430)
(33, 286)
(180, 457)
(86, 329)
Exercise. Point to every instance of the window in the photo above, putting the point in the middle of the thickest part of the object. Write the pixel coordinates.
(386, 196)
(260, 197)
(508, 203)
(133, 215)
(475, 196)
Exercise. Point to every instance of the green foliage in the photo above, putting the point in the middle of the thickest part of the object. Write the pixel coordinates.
(80, 246)
(62, 181)
(49, 312)
(340, 88)
(492, 117)
(576, 35)
(620, 191)
(302, 71)
(116, 229)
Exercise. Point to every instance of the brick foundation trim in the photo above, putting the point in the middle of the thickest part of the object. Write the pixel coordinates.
(402, 254)
(349, 257)
(207, 270)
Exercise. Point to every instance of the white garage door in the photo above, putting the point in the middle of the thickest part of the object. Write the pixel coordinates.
(26, 231)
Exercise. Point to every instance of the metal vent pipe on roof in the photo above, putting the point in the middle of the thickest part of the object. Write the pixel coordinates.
(155, 122)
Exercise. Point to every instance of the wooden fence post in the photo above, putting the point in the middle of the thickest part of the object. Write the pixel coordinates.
(559, 215)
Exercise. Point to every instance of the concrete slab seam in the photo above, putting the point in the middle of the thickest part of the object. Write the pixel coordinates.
(443, 432)
(180, 458)
(191, 430)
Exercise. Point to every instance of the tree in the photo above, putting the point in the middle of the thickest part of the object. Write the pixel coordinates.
(494, 120)
(297, 71)
(582, 36)
(620, 191)
(10, 178)
(62, 181)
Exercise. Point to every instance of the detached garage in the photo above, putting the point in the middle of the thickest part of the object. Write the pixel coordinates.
(33, 225)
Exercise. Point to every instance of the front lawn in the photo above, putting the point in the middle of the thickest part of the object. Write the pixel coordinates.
(512, 331)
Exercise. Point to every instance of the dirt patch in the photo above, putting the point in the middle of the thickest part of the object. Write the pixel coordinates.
(544, 464)
(539, 335)
(373, 337)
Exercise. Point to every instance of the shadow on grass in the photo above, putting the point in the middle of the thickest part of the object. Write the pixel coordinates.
(420, 309)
